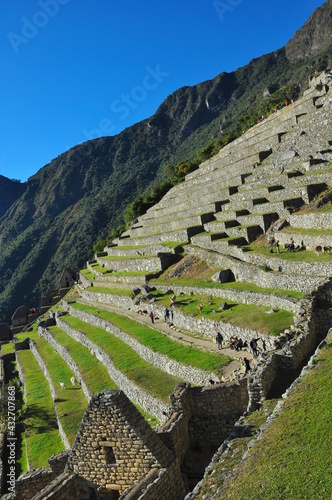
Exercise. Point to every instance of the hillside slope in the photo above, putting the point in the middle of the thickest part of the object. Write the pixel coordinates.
(80, 196)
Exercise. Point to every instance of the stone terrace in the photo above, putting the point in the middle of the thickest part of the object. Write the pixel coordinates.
(251, 187)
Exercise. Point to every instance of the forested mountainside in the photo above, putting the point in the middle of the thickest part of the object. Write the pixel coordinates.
(10, 190)
(53, 220)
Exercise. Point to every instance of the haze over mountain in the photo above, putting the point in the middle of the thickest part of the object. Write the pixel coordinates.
(54, 219)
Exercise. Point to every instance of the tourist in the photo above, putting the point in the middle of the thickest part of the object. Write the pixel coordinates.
(166, 314)
(152, 317)
(238, 344)
(254, 347)
(232, 343)
(219, 339)
(278, 248)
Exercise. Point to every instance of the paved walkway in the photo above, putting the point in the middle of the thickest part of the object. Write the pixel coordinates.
(235, 367)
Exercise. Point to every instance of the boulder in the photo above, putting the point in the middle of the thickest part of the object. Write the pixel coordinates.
(223, 276)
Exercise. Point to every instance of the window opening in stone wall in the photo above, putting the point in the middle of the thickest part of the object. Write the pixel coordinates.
(109, 455)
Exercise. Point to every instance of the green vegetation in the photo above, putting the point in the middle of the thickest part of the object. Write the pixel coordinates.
(7, 348)
(70, 404)
(290, 460)
(236, 314)
(40, 417)
(149, 378)
(88, 274)
(159, 342)
(94, 373)
(236, 285)
(301, 256)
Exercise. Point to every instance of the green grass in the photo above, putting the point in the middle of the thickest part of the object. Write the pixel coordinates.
(7, 348)
(93, 372)
(148, 377)
(237, 314)
(302, 256)
(40, 417)
(88, 274)
(292, 459)
(160, 342)
(70, 403)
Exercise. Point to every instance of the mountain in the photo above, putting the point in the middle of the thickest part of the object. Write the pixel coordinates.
(54, 219)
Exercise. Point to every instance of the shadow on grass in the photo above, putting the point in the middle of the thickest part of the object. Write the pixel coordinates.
(46, 420)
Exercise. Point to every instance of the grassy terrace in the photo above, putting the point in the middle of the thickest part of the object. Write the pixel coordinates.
(301, 256)
(291, 460)
(94, 373)
(151, 379)
(40, 417)
(70, 403)
(98, 268)
(88, 274)
(159, 342)
(236, 285)
(236, 314)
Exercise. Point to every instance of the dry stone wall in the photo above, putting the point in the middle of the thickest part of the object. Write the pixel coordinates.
(115, 446)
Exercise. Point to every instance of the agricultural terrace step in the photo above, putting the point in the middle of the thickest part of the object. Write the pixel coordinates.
(246, 272)
(251, 144)
(172, 224)
(282, 206)
(25, 361)
(133, 392)
(220, 176)
(310, 241)
(225, 215)
(204, 239)
(321, 220)
(109, 276)
(306, 192)
(278, 124)
(245, 297)
(309, 269)
(181, 235)
(249, 233)
(152, 250)
(235, 164)
(151, 264)
(211, 189)
(190, 208)
(279, 181)
(163, 362)
(307, 183)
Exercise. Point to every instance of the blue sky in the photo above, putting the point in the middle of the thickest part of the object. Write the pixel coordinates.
(73, 70)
